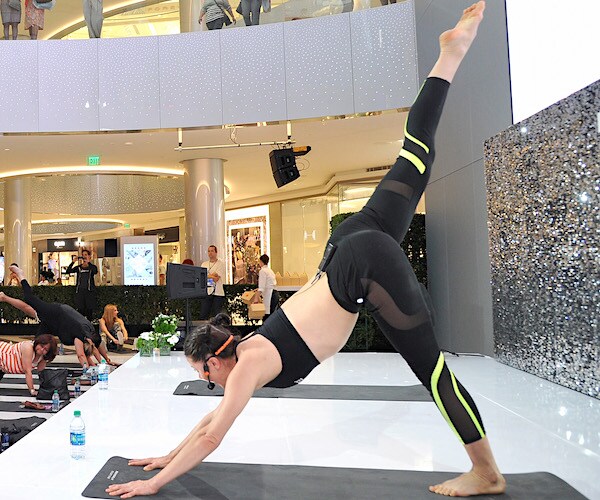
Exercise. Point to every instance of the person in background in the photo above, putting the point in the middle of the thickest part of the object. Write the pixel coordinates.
(61, 320)
(266, 287)
(12, 279)
(162, 270)
(23, 357)
(85, 287)
(52, 265)
(211, 305)
(251, 12)
(188, 262)
(214, 12)
(112, 329)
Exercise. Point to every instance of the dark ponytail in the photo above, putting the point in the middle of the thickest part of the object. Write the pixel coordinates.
(205, 340)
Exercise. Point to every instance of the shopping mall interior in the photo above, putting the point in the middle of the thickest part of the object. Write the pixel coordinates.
(162, 129)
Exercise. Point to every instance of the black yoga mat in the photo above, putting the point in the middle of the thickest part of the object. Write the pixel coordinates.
(309, 391)
(17, 380)
(219, 481)
(10, 391)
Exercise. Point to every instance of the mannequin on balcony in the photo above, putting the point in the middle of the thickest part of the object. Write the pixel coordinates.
(92, 13)
(11, 17)
(34, 19)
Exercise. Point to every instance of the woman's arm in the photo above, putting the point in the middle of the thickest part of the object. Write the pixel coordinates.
(26, 359)
(103, 328)
(241, 384)
(160, 462)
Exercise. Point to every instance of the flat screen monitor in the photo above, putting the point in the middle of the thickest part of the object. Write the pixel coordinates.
(185, 281)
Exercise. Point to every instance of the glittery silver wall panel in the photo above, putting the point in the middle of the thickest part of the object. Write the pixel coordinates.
(543, 184)
(333, 65)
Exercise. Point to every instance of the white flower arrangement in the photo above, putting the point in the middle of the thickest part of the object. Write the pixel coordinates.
(164, 333)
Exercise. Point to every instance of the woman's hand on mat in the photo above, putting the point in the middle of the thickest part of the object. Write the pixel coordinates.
(152, 463)
(132, 489)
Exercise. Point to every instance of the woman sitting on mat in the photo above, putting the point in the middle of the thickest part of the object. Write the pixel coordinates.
(112, 329)
(23, 357)
(316, 322)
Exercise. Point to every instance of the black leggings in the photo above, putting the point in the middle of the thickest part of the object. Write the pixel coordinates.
(370, 267)
(60, 319)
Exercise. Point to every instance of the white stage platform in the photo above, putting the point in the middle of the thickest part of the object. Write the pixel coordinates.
(533, 425)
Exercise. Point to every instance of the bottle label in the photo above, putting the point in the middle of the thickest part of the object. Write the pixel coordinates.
(103, 377)
(77, 439)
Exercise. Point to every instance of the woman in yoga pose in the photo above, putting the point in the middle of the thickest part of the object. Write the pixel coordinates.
(316, 322)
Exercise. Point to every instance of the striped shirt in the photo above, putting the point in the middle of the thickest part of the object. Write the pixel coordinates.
(214, 9)
(10, 357)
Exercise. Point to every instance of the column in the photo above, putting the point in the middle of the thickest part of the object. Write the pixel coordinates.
(182, 247)
(17, 224)
(204, 208)
(189, 12)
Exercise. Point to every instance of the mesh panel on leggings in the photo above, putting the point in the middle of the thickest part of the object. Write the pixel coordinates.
(397, 187)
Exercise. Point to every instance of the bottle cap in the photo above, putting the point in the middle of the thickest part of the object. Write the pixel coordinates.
(77, 413)
(55, 391)
(103, 361)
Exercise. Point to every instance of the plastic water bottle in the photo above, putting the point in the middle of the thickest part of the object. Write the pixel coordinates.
(103, 375)
(61, 349)
(5, 440)
(77, 431)
(84, 371)
(93, 374)
(77, 388)
(55, 401)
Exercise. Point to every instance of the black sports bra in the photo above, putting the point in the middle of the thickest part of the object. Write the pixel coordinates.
(297, 359)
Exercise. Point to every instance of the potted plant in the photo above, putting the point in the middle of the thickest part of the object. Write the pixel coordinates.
(163, 336)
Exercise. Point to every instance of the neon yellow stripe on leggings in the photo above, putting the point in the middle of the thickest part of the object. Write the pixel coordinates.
(466, 405)
(414, 139)
(414, 159)
(435, 377)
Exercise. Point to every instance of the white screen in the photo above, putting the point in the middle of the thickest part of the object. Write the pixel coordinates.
(138, 264)
(554, 49)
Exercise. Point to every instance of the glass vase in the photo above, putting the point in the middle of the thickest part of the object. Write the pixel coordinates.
(165, 350)
(145, 350)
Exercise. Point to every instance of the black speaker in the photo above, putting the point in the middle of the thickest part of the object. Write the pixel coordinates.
(283, 166)
(110, 247)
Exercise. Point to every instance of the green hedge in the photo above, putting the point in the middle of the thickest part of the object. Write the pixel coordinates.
(138, 305)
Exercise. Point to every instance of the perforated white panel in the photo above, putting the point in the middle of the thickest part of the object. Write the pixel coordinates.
(19, 84)
(129, 88)
(190, 80)
(384, 58)
(318, 67)
(253, 74)
(69, 84)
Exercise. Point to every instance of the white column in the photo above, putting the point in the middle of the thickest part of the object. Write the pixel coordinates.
(182, 247)
(204, 208)
(189, 12)
(17, 224)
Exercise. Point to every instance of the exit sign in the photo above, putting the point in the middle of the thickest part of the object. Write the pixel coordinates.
(93, 161)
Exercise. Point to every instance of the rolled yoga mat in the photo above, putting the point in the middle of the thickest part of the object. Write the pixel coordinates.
(219, 481)
(309, 391)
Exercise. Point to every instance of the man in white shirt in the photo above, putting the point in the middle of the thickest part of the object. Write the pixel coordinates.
(266, 286)
(213, 304)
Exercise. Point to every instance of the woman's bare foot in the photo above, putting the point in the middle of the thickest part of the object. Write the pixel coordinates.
(471, 484)
(18, 272)
(2, 297)
(455, 43)
(459, 39)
